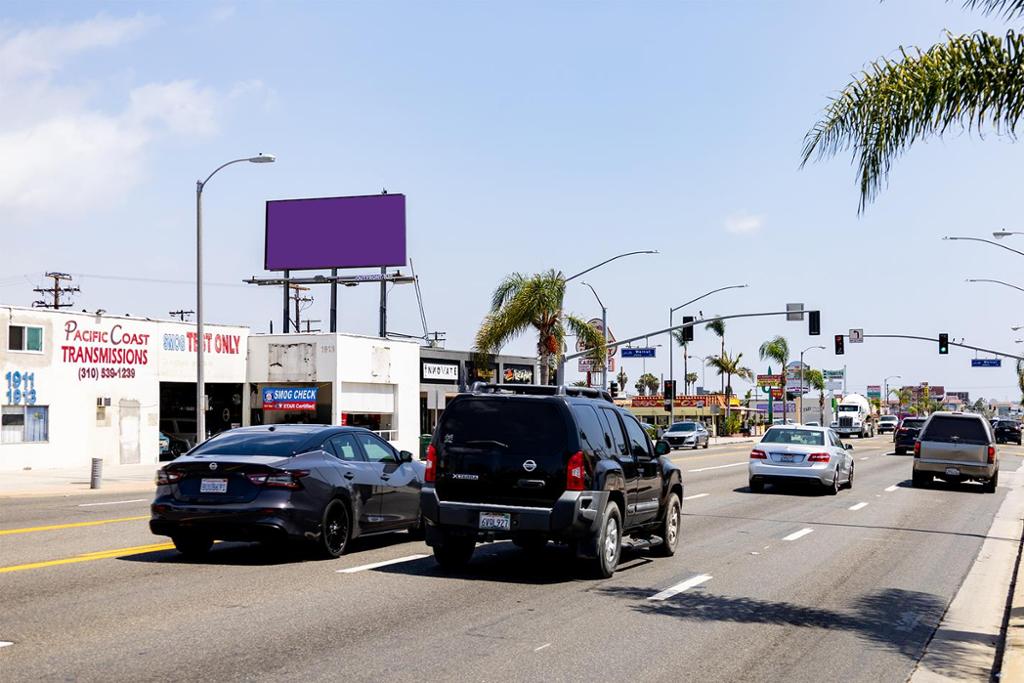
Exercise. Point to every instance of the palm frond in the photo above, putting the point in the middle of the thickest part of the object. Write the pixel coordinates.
(716, 326)
(969, 82)
(506, 289)
(1008, 9)
(776, 349)
(590, 337)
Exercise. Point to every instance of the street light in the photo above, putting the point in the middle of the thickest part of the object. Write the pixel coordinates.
(1000, 234)
(802, 391)
(998, 282)
(671, 355)
(629, 253)
(200, 383)
(978, 239)
(886, 383)
(604, 331)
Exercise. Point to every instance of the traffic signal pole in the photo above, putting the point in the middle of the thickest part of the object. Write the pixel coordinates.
(935, 339)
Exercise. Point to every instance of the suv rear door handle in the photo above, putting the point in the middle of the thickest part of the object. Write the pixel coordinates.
(385, 477)
(350, 475)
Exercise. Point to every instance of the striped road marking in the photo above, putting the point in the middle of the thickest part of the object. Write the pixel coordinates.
(375, 565)
(858, 506)
(72, 525)
(798, 534)
(89, 557)
(681, 586)
(695, 496)
(892, 488)
(114, 502)
(719, 467)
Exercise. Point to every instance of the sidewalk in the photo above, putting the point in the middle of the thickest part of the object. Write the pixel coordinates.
(75, 480)
(729, 440)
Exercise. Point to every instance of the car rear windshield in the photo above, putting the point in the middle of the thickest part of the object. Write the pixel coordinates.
(914, 424)
(683, 427)
(890, 418)
(253, 443)
(800, 437)
(955, 429)
(517, 425)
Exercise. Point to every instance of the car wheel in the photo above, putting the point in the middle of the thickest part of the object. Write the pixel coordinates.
(991, 484)
(192, 545)
(454, 552)
(335, 530)
(609, 542)
(707, 442)
(849, 480)
(833, 488)
(418, 532)
(920, 480)
(670, 527)
(756, 485)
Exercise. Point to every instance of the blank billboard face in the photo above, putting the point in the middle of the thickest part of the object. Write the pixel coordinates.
(335, 232)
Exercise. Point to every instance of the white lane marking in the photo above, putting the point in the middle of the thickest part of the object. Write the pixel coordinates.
(538, 649)
(798, 534)
(681, 586)
(863, 458)
(375, 565)
(718, 467)
(696, 495)
(5, 643)
(114, 502)
(858, 506)
(892, 488)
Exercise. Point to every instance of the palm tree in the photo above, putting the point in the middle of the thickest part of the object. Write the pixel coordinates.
(904, 396)
(718, 327)
(727, 367)
(816, 380)
(691, 380)
(963, 84)
(777, 349)
(522, 302)
(647, 383)
(623, 378)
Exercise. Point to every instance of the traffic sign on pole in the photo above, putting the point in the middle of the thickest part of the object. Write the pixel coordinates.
(856, 336)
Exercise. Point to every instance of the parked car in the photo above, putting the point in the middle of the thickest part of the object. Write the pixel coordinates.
(171, 447)
(541, 463)
(287, 482)
(906, 434)
(801, 454)
(1006, 431)
(956, 447)
(888, 423)
(687, 435)
(181, 429)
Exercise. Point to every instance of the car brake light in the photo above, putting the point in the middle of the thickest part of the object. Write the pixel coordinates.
(758, 455)
(430, 474)
(165, 477)
(991, 454)
(917, 449)
(903, 430)
(278, 480)
(574, 473)
(818, 457)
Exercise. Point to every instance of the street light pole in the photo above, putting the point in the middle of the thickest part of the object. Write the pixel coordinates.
(978, 239)
(671, 348)
(200, 380)
(613, 258)
(1000, 234)
(802, 388)
(886, 383)
(604, 331)
(998, 282)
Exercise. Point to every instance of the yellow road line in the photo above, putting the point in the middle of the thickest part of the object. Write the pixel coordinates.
(89, 557)
(73, 525)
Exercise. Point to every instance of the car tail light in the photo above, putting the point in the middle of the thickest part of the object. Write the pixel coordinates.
(903, 430)
(758, 455)
(818, 457)
(165, 477)
(278, 480)
(991, 454)
(917, 449)
(574, 472)
(430, 474)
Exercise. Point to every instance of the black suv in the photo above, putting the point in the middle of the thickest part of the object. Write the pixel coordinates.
(906, 434)
(539, 463)
(1007, 431)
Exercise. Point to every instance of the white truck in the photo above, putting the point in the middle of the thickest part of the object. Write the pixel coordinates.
(855, 417)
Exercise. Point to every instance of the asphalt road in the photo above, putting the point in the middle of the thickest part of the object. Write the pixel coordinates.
(780, 586)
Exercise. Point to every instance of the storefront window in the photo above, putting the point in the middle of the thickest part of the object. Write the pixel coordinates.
(25, 424)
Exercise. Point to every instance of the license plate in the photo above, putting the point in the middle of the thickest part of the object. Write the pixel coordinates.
(787, 458)
(495, 521)
(213, 486)
(952, 471)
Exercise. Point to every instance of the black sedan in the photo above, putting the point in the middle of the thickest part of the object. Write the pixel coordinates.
(1006, 431)
(322, 484)
(906, 434)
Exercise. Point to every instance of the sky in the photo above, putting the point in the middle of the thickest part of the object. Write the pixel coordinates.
(526, 136)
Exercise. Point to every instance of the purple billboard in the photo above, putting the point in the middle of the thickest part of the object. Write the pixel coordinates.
(335, 232)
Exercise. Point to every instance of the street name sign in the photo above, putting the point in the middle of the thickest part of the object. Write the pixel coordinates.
(986, 363)
(637, 352)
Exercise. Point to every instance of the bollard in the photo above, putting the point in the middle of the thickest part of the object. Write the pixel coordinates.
(97, 473)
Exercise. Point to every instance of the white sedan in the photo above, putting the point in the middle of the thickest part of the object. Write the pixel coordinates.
(795, 453)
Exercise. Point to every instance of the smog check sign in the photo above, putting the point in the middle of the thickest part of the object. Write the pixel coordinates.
(289, 398)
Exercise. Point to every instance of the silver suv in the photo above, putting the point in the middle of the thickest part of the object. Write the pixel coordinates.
(956, 447)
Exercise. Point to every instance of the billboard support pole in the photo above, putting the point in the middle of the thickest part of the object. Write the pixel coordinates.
(285, 316)
(334, 301)
(383, 304)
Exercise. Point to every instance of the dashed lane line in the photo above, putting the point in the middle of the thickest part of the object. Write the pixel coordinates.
(798, 534)
(5, 643)
(695, 496)
(114, 502)
(858, 506)
(375, 565)
(538, 649)
(891, 488)
(72, 525)
(681, 586)
(718, 467)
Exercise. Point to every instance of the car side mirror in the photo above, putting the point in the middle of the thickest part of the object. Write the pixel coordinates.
(662, 448)
(848, 446)
(405, 456)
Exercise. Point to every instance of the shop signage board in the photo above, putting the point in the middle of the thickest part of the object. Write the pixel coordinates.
(835, 374)
(289, 398)
(517, 374)
(439, 372)
(874, 391)
(769, 380)
(986, 363)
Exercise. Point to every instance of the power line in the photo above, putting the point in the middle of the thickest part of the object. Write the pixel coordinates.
(55, 292)
(181, 314)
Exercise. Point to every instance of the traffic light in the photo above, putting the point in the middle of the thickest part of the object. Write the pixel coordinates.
(943, 344)
(814, 323)
(688, 331)
(670, 389)
(613, 387)
(839, 345)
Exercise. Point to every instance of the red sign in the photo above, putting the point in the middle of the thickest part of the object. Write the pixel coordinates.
(114, 349)
(777, 393)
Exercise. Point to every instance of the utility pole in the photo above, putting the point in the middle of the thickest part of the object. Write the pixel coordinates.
(181, 314)
(309, 324)
(298, 299)
(55, 291)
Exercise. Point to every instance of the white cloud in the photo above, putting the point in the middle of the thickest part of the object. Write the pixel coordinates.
(743, 223)
(182, 106)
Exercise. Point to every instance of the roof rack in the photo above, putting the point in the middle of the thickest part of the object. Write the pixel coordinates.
(540, 390)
